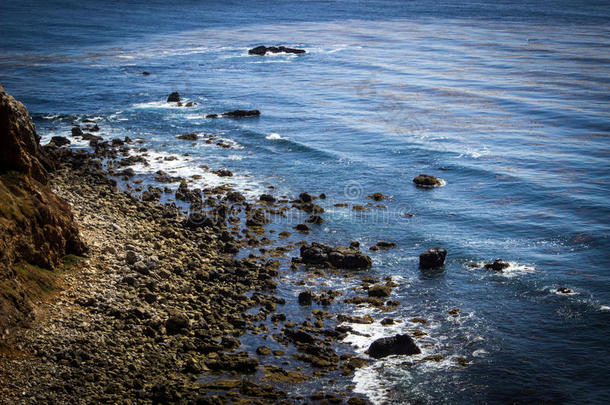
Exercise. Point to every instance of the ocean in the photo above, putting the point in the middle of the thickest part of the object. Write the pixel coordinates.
(507, 101)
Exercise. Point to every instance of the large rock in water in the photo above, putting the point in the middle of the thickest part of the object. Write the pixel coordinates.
(262, 50)
(424, 180)
(387, 346)
(432, 258)
(338, 256)
(173, 97)
(36, 227)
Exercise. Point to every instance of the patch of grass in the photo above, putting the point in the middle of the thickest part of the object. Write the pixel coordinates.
(15, 203)
(35, 280)
(69, 261)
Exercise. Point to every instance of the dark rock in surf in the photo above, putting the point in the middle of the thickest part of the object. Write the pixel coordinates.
(223, 173)
(497, 265)
(432, 258)
(399, 344)
(267, 198)
(60, 141)
(305, 197)
(174, 97)
(76, 131)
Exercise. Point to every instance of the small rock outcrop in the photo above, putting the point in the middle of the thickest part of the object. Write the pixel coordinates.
(398, 344)
(338, 256)
(432, 258)
(424, 180)
(263, 50)
(497, 265)
(173, 97)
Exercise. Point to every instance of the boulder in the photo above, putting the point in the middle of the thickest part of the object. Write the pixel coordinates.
(223, 173)
(432, 258)
(380, 290)
(305, 297)
(235, 197)
(305, 197)
(338, 256)
(424, 180)
(176, 323)
(398, 344)
(60, 141)
(173, 97)
(302, 228)
(76, 131)
(267, 198)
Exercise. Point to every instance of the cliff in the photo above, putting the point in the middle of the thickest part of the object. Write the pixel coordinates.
(37, 228)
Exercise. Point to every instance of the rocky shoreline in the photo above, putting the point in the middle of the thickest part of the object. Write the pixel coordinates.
(175, 306)
(155, 304)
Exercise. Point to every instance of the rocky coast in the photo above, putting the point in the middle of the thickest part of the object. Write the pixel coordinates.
(176, 302)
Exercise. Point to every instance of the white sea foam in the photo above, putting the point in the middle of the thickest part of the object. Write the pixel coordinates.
(514, 269)
(274, 136)
(186, 167)
(368, 382)
(480, 353)
(155, 105)
(553, 290)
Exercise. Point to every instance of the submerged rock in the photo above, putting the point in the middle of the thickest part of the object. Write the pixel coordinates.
(387, 346)
(262, 50)
(424, 180)
(432, 258)
(377, 197)
(188, 137)
(315, 219)
(382, 245)
(237, 114)
(497, 265)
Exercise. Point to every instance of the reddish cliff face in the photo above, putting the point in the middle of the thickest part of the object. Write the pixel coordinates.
(36, 227)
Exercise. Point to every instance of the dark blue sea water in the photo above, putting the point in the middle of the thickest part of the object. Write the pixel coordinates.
(507, 101)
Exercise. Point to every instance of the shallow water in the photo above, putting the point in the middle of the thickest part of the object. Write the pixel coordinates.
(507, 103)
